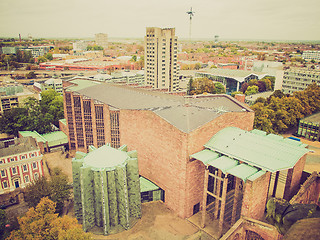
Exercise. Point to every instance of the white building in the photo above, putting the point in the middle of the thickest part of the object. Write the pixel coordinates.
(299, 79)
(101, 39)
(161, 58)
(311, 55)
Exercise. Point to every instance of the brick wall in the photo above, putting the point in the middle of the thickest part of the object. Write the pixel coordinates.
(296, 175)
(309, 192)
(162, 153)
(255, 197)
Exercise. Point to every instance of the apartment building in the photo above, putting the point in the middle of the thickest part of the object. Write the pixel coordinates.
(20, 164)
(311, 55)
(161, 58)
(101, 39)
(13, 96)
(299, 79)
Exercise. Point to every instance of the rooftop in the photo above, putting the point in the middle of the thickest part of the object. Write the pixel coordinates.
(266, 152)
(314, 118)
(185, 113)
(105, 157)
(21, 145)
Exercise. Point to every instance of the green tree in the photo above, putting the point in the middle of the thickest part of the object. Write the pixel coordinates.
(14, 120)
(219, 88)
(31, 75)
(3, 223)
(42, 59)
(134, 58)
(57, 190)
(49, 56)
(52, 104)
(42, 223)
(252, 90)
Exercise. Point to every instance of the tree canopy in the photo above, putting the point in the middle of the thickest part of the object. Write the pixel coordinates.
(56, 189)
(204, 85)
(34, 115)
(280, 112)
(42, 223)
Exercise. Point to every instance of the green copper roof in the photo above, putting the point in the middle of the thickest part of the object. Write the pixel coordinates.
(105, 157)
(243, 171)
(146, 185)
(33, 134)
(56, 138)
(81, 84)
(205, 155)
(268, 152)
(223, 163)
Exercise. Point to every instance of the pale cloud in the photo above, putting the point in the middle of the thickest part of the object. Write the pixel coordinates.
(233, 19)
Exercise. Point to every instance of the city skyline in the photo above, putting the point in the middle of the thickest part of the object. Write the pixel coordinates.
(232, 19)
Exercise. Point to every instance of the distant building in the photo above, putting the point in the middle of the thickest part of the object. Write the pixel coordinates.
(309, 127)
(80, 46)
(13, 96)
(20, 164)
(311, 55)
(55, 84)
(228, 65)
(299, 79)
(161, 58)
(101, 39)
(9, 50)
(37, 51)
(232, 79)
(106, 189)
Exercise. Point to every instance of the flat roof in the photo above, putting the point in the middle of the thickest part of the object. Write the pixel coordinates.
(33, 134)
(314, 118)
(185, 113)
(56, 138)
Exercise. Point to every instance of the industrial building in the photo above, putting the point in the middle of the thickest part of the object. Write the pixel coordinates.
(160, 49)
(299, 79)
(309, 127)
(164, 129)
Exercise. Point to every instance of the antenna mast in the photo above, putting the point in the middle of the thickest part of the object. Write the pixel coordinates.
(191, 13)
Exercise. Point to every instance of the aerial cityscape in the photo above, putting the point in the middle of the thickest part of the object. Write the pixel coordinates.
(160, 120)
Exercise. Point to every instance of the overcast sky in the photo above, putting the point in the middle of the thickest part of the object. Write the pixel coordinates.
(230, 19)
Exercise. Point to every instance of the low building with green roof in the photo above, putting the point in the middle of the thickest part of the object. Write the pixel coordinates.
(48, 142)
(309, 127)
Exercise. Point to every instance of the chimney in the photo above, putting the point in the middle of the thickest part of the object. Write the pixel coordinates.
(240, 97)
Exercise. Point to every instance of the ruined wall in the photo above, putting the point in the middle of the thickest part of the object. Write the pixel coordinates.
(245, 228)
(255, 197)
(309, 191)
